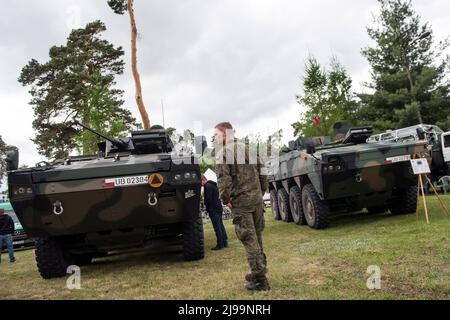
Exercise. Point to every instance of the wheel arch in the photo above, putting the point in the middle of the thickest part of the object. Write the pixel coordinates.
(287, 184)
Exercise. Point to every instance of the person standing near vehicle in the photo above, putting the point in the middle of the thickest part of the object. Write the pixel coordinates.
(6, 232)
(215, 212)
(241, 187)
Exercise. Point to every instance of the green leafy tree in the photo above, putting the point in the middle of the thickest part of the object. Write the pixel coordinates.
(205, 164)
(274, 143)
(4, 148)
(408, 73)
(77, 84)
(327, 98)
(120, 7)
(171, 130)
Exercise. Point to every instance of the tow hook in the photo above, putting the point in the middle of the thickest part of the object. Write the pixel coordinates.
(358, 178)
(152, 199)
(58, 208)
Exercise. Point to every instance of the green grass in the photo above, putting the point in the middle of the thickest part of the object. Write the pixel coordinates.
(303, 264)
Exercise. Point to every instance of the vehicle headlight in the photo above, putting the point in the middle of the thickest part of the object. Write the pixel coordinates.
(22, 191)
(331, 168)
(185, 177)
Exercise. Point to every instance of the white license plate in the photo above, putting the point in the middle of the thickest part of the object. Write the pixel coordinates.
(406, 157)
(126, 181)
(19, 242)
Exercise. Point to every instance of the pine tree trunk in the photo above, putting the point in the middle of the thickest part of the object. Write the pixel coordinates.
(136, 76)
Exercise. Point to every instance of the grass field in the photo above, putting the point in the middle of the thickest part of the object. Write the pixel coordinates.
(414, 259)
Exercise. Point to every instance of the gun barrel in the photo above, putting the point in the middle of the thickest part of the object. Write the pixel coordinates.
(115, 142)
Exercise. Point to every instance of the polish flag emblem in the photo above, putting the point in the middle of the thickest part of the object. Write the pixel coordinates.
(109, 183)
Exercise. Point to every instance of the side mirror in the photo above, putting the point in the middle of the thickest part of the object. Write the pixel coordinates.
(200, 144)
(310, 149)
(12, 160)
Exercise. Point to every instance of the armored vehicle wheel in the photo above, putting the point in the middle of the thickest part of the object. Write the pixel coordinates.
(274, 203)
(316, 211)
(295, 202)
(377, 209)
(50, 258)
(283, 205)
(406, 203)
(193, 240)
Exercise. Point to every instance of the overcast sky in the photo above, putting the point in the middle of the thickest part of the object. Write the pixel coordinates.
(210, 60)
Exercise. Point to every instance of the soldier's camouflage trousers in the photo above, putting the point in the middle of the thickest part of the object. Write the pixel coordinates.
(249, 224)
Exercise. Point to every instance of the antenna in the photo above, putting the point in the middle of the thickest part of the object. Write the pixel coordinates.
(162, 108)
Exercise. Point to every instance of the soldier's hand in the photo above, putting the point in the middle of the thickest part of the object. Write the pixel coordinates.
(229, 205)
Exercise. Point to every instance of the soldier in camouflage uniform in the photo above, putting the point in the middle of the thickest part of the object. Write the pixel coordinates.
(241, 187)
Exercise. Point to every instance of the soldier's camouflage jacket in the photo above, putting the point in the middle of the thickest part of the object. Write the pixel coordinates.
(239, 176)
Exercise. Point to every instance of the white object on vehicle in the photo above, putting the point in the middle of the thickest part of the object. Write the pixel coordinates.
(446, 146)
(406, 134)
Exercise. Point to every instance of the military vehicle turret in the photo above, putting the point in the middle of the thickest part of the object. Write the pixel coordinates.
(317, 178)
(135, 191)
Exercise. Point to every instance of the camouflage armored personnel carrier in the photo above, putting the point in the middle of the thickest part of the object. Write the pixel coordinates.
(132, 193)
(317, 178)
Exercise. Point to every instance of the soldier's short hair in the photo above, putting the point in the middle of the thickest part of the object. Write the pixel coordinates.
(224, 126)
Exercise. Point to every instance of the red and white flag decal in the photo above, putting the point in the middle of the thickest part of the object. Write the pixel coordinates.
(109, 183)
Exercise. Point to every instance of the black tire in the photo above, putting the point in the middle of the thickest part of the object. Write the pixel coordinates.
(316, 211)
(283, 205)
(406, 203)
(295, 203)
(377, 209)
(274, 204)
(193, 240)
(50, 258)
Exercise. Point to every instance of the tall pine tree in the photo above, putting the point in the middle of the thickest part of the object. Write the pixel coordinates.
(4, 148)
(408, 73)
(77, 85)
(120, 7)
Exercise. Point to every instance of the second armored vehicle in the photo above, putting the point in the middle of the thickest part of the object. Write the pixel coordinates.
(134, 192)
(317, 178)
